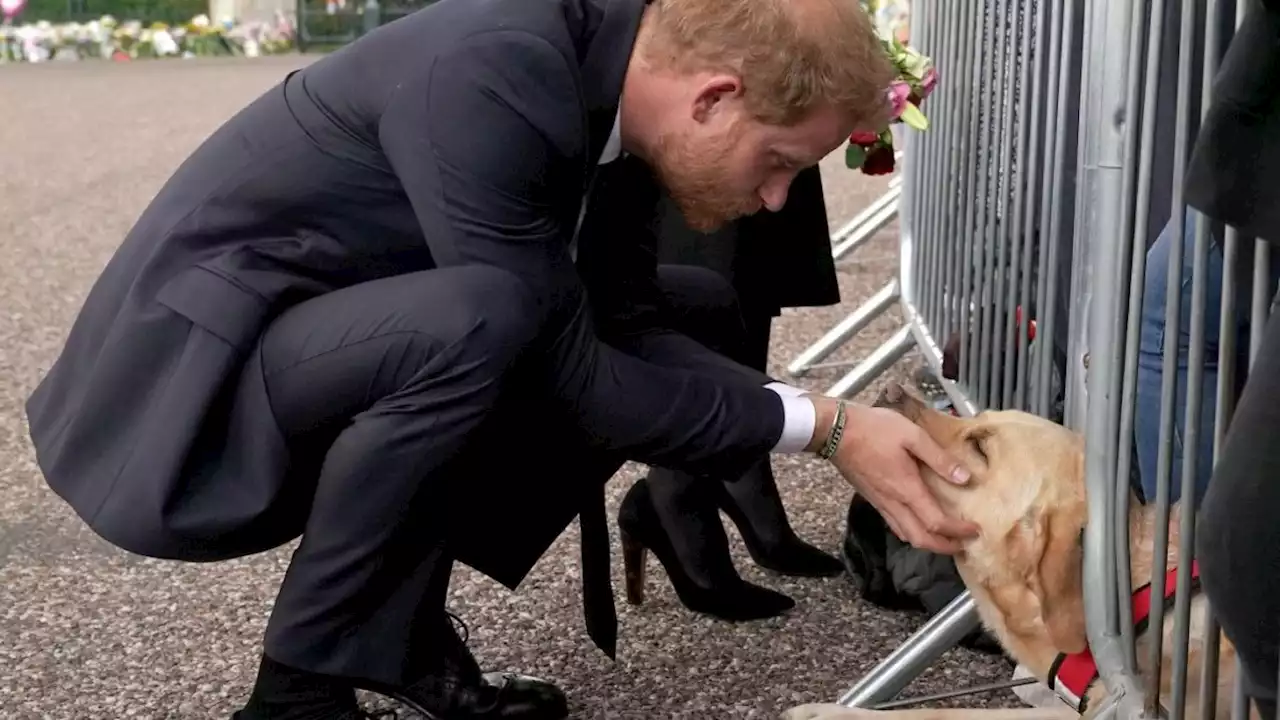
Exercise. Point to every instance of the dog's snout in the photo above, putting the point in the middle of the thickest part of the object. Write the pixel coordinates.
(894, 393)
(897, 398)
(891, 396)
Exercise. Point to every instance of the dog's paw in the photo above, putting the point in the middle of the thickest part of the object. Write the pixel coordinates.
(817, 711)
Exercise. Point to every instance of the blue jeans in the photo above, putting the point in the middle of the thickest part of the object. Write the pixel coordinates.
(1154, 335)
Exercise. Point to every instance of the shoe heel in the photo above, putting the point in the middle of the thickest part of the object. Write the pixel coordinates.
(634, 555)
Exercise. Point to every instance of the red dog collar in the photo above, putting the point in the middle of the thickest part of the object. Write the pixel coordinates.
(1071, 676)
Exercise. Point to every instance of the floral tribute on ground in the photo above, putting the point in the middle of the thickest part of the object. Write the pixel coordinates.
(872, 151)
(108, 38)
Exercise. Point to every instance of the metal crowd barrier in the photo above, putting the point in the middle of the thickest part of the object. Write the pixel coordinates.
(1027, 213)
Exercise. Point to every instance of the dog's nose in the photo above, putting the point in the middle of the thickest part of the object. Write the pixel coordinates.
(894, 392)
(897, 398)
(892, 396)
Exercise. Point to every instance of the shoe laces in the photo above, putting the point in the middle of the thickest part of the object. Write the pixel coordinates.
(460, 627)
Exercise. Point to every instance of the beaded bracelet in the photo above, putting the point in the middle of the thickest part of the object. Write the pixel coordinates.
(833, 438)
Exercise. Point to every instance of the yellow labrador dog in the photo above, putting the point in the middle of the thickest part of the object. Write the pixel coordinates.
(1024, 570)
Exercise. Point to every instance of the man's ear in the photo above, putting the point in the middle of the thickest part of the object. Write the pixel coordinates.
(1056, 580)
(713, 93)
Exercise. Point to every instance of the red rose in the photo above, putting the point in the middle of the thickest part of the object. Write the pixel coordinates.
(879, 161)
(1031, 328)
(864, 137)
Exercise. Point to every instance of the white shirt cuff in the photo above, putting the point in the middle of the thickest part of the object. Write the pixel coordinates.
(799, 418)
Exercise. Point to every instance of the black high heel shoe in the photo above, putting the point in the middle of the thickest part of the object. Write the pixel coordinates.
(755, 507)
(713, 586)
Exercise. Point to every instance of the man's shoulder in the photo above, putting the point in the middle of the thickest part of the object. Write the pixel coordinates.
(460, 26)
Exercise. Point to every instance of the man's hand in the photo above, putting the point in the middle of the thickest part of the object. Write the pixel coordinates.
(878, 456)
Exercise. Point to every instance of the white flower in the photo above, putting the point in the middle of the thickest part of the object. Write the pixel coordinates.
(163, 43)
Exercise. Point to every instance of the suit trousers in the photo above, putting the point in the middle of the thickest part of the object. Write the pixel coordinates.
(393, 395)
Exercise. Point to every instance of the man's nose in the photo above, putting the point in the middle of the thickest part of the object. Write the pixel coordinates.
(774, 194)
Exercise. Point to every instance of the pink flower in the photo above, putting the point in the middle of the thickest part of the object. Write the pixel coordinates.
(899, 92)
(864, 137)
(928, 83)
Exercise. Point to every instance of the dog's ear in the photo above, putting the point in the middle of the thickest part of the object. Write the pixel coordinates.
(1056, 579)
(1044, 549)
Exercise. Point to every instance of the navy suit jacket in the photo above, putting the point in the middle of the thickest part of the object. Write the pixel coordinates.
(465, 133)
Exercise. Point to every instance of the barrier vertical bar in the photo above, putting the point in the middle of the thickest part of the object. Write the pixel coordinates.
(1169, 368)
(933, 202)
(923, 148)
(923, 35)
(990, 192)
(975, 205)
(1139, 139)
(1064, 90)
(1033, 182)
(1262, 294)
(1223, 390)
(1100, 186)
(957, 297)
(1023, 189)
(1039, 403)
(1227, 350)
(944, 227)
(993, 342)
(991, 200)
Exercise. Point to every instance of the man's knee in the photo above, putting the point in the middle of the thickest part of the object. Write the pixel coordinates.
(485, 308)
(702, 304)
(698, 288)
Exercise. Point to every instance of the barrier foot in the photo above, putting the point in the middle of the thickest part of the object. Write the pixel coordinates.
(943, 632)
(867, 223)
(875, 365)
(851, 325)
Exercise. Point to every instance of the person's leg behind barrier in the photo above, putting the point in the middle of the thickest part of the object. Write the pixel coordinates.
(1154, 337)
(754, 503)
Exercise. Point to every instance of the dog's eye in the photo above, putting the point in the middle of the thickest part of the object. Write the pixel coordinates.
(976, 444)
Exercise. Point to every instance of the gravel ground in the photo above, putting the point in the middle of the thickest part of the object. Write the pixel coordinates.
(87, 631)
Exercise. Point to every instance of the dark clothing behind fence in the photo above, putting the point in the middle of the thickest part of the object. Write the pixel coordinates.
(1234, 178)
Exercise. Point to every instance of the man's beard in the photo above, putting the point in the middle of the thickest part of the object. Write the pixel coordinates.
(697, 181)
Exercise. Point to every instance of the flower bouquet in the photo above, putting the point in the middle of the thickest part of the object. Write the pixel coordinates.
(872, 151)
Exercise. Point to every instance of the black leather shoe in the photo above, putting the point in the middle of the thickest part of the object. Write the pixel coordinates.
(456, 689)
(496, 696)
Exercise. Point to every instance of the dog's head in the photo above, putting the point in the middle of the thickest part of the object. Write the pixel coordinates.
(1027, 495)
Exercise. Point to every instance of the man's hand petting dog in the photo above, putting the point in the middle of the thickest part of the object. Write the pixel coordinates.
(880, 454)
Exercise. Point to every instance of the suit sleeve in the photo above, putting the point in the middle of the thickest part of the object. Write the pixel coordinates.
(631, 312)
(488, 144)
